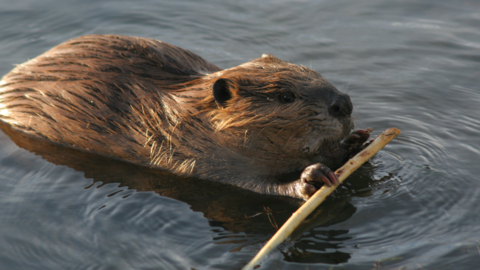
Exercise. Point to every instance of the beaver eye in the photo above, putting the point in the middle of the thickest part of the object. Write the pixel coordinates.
(287, 97)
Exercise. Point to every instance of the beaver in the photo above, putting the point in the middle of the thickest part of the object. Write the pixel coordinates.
(266, 125)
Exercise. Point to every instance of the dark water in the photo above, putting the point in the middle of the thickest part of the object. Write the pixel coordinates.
(414, 65)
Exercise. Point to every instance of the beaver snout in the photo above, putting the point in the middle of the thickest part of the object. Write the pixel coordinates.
(341, 106)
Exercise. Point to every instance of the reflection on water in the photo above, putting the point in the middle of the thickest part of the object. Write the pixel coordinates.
(231, 208)
(407, 64)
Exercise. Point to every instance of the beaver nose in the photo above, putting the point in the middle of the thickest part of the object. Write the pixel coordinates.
(341, 106)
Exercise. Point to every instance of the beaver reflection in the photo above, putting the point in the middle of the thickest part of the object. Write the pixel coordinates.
(232, 208)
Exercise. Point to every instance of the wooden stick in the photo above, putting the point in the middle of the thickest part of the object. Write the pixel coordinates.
(320, 196)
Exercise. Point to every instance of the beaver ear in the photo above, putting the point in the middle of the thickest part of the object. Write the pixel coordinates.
(222, 92)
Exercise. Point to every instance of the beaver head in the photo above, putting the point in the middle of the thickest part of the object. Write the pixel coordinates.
(277, 113)
(155, 104)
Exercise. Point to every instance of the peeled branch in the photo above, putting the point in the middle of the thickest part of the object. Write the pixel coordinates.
(320, 196)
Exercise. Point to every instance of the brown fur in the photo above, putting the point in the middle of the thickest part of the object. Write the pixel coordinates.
(151, 103)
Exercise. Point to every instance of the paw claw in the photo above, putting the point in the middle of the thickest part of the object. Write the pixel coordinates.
(356, 141)
(333, 178)
(315, 176)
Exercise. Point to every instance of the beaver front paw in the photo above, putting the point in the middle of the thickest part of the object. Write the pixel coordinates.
(314, 177)
(356, 141)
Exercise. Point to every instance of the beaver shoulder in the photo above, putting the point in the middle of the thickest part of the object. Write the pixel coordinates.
(155, 104)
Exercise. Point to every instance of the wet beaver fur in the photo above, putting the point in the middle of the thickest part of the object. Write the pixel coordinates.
(267, 125)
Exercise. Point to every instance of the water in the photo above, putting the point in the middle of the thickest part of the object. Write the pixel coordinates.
(408, 64)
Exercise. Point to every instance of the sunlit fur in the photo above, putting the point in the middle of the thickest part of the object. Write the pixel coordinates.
(151, 103)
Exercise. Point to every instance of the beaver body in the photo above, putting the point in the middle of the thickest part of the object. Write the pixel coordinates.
(155, 104)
